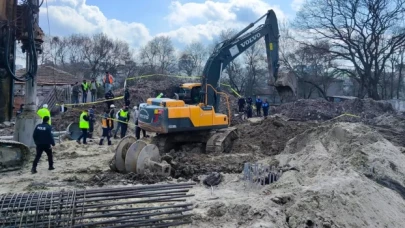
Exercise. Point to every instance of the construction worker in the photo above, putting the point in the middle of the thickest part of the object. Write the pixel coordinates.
(76, 93)
(265, 107)
(137, 128)
(84, 126)
(108, 96)
(44, 111)
(259, 103)
(92, 119)
(93, 89)
(85, 90)
(43, 139)
(111, 115)
(249, 111)
(241, 103)
(106, 123)
(249, 101)
(123, 117)
(108, 80)
(126, 97)
(117, 117)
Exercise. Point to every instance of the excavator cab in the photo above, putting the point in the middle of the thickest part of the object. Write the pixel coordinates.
(189, 93)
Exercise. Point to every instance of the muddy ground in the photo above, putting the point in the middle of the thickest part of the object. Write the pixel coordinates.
(327, 184)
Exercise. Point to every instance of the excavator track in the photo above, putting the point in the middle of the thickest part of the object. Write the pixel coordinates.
(216, 141)
(13, 155)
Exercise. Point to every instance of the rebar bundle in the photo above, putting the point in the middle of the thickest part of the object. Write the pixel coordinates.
(139, 206)
(259, 174)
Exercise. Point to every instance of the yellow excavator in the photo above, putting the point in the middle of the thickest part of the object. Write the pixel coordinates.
(193, 117)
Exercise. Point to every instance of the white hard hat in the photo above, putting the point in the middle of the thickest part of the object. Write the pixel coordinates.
(112, 106)
(135, 107)
(45, 106)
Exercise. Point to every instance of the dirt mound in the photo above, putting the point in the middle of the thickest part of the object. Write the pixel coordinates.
(391, 126)
(320, 109)
(189, 161)
(268, 136)
(347, 175)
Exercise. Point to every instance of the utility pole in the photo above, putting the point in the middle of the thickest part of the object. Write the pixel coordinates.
(7, 15)
(27, 121)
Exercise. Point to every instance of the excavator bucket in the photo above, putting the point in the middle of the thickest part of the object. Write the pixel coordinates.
(286, 86)
(13, 155)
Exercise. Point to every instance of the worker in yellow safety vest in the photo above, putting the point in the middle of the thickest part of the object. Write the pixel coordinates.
(44, 111)
(84, 125)
(85, 90)
(123, 117)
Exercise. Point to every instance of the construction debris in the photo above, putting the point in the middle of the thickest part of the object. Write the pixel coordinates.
(137, 206)
(320, 109)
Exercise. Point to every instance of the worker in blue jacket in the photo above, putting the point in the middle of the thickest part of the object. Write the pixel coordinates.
(43, 139)
(259, 103)
(265, 107)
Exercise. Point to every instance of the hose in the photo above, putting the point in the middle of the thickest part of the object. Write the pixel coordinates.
(31, 50)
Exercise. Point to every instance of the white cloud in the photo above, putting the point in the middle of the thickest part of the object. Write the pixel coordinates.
(214, 17)
(76, 16)
(297, 4)
(187, 22)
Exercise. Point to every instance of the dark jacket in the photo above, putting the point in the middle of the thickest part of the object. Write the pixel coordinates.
(126, 98)
(91, 114)
(241, 101)
(259, 102)
(43, 135)
(249, 100)
(265, 105)
(109, 95)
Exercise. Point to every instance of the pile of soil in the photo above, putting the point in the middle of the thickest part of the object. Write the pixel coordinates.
(190, 161)
(268, 136)
(346, 175)
(319, 109)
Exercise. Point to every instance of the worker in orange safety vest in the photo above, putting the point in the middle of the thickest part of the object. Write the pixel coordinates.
(108, 80)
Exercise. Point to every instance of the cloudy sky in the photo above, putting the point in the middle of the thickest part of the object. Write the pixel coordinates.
(137, 21)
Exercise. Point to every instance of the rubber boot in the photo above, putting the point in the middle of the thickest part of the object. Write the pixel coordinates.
(51, 168)
(109, 143)
(33, 170)
(101, 142)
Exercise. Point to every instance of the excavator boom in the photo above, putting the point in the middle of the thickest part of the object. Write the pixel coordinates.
(229, 49)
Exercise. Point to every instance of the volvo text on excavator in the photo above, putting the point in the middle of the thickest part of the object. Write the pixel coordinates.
(193, 118)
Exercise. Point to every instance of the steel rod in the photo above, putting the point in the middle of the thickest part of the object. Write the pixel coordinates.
(157, 194)
(89, 207)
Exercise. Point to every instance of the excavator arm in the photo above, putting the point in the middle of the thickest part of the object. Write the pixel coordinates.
(226, 51)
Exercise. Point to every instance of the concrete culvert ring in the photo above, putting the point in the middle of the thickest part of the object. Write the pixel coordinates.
(73, 131)
(121, 151)
(132, 156)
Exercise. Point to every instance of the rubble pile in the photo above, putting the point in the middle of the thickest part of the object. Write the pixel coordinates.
(268, 136)
(319, 109)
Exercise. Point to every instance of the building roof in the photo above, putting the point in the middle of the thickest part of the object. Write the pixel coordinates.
(48, 75)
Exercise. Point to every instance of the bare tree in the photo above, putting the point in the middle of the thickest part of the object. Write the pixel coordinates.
(255, 58)
(187, 64)
(158, 55)
(363, 32)
(192, 58)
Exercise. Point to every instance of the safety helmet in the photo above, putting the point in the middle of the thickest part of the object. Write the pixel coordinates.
(45, 106)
